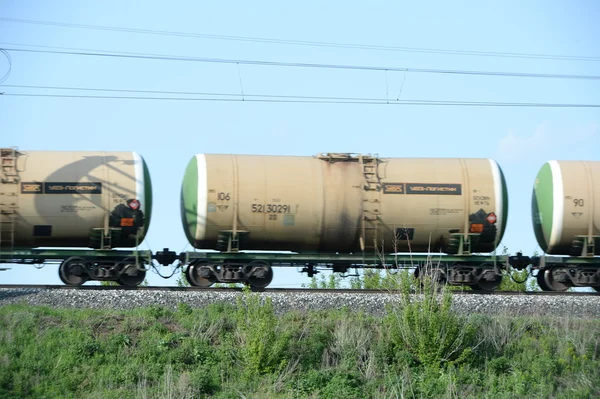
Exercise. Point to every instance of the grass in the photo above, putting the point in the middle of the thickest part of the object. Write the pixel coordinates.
(420, 348)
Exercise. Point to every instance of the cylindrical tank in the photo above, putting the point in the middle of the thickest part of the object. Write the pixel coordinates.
(73, 199)
(343, 203)
(566, 206)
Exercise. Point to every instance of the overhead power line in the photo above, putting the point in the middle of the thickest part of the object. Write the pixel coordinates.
(191, 93)
(271, 98)
(142, 56)
(308, 42)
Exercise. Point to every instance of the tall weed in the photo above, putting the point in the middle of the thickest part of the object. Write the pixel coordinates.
(351, 346)
(423, 328)
(262, 345)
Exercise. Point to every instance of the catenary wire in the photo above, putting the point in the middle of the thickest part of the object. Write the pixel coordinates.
(188, 93)
(316, 101)
(242, 95)
(94, 53)
(309, 43)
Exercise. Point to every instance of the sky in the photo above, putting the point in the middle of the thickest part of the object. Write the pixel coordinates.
(168, 133)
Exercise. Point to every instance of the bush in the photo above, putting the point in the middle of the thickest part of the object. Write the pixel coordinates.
(426, 328)
(262, 345)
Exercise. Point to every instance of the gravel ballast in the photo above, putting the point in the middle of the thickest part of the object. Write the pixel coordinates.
(514, 305)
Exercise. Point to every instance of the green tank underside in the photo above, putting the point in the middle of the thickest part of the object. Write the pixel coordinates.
(504, 205)
(148, 199)
(189, 200)
(542, 206)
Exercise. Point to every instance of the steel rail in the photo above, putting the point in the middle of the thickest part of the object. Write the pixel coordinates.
(279, 290)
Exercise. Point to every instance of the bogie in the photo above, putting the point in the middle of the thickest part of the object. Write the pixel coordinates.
(203, 274)
(76, 271)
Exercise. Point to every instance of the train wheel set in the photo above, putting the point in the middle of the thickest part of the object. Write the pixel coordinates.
(204, 269)
(441, 217)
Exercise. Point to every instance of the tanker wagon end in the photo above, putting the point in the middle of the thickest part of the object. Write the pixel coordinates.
(565, 213)
(339, 206)
(76, 199)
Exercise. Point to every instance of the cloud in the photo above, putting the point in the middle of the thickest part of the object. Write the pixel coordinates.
(544, 141)
(513, 148)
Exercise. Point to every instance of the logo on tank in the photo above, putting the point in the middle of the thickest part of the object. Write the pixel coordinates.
(422, 188)
(134, 204)
(61, 188)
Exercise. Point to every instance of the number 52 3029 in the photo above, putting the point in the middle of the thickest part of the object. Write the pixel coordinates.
(270, 208)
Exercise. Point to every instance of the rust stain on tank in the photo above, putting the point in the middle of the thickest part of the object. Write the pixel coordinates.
(342, 211)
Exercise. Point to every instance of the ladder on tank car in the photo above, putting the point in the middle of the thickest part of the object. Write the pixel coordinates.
(9, 185)
(371, 204)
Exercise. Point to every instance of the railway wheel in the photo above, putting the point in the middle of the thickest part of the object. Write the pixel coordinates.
(541, 281)
(262, 277)
(72, 271)
(484, 274)
(547, 282)
(487, 285)
(130, 275)
(194, 277)
(132, 281)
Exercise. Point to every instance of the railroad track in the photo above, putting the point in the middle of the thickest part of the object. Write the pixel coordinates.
(281, 290)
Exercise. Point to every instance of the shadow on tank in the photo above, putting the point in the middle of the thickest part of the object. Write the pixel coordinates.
(125, 216)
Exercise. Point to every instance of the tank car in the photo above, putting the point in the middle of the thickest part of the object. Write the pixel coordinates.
(339, 203)
(73, 199)
(566, 221)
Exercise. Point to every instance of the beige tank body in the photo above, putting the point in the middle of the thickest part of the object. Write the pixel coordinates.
(340, 203)
(58, 198)
(566, 206)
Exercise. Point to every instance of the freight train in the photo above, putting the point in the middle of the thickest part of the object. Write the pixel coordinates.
(339, 211)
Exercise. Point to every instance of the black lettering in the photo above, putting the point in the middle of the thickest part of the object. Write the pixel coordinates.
(72, 188)
(223, 196)
(271, 208)
(422, 188)
(433, 188)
